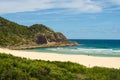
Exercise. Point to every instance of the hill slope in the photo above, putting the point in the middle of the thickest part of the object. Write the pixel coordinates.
(13, 34)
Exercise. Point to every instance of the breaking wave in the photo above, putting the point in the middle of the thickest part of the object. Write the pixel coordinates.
(86, 51)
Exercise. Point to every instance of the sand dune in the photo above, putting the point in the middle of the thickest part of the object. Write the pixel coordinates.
(89, 61)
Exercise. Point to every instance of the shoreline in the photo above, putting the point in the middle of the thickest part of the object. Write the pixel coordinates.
(34, 45)
(89, 61)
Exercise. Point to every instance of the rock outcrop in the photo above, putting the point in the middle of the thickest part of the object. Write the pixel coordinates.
(48, 38)
(41, 38)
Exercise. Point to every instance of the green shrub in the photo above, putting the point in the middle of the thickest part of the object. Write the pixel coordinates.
(15, 68)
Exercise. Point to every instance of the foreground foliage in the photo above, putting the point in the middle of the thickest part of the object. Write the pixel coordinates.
(15, 68)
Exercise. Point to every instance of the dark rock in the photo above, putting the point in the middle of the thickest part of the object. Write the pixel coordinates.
(41, 39)
(52, 37)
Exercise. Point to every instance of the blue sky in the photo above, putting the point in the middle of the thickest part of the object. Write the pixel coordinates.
(77, 19)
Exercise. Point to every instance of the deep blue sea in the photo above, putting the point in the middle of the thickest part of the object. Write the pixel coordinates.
(106, 48)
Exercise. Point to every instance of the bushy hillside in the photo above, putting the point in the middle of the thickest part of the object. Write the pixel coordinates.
(15, 68)
(12, 33)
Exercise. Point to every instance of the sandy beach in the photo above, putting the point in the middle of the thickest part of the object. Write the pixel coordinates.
(89, 61)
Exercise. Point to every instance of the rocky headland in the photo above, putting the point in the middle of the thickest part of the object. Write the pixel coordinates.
(16, 36)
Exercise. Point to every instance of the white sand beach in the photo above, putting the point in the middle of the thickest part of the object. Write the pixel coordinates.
(89, 61)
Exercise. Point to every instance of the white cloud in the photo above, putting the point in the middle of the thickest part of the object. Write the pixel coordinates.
(76, 6)
(111, 6)
(80, 6)
(115, 1)
(12, 6)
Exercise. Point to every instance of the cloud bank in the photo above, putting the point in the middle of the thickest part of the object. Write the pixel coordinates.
(78, 6)
(72, 6)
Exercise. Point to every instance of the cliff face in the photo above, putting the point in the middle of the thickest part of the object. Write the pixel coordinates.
(48, 38)
(15, 36)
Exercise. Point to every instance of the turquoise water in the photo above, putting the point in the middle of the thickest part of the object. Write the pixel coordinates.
(106, 48)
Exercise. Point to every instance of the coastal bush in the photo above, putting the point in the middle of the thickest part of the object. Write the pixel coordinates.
(12, 33)
(15, 68)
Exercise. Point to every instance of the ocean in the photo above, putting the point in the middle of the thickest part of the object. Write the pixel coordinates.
(90, 47)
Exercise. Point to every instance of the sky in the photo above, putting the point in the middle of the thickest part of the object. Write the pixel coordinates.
(76, 19)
